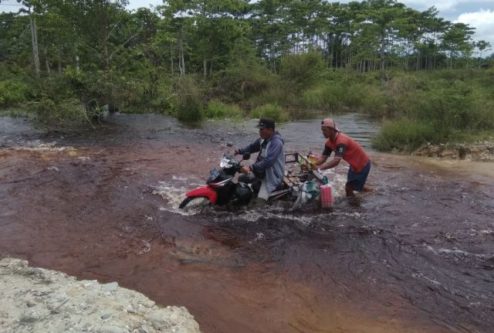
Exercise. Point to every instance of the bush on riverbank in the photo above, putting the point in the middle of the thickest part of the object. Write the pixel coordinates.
(448, 106)
(188, 105)
(219, 110)
(418, 107)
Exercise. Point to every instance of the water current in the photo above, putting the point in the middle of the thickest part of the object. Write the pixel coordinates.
(417, 255)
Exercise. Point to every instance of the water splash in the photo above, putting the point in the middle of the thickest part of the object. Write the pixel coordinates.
(173, 192)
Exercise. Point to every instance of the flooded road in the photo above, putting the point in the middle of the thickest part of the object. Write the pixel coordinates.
(416, 256)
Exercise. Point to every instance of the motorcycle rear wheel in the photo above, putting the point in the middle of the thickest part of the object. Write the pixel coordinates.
(194, 202)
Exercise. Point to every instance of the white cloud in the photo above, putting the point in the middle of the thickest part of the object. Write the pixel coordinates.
(441, 5)
(483, 21)
(444, 5)
(134, 4)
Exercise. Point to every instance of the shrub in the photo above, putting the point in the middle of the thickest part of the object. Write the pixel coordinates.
(338, 96)
(61, 115)
(219, 110)
(302, 70)
(244, 77)
(405, 135)
(12, 92)
(272, 111)
(446, 105)
(370, 99)
(328, 97)
(275, 94)
(188, 101)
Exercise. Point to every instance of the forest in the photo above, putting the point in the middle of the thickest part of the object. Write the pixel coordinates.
(64, 63)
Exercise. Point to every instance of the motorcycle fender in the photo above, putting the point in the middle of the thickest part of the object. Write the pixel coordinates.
(204, 191)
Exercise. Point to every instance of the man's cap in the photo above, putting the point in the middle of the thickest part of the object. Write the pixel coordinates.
(266, 123)
(328, 122)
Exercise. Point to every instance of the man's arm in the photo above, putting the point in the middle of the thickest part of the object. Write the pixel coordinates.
(324, 156)
(331, 164)
(340, 150)
(252, 148)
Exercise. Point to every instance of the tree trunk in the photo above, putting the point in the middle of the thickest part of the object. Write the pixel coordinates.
(34, 41)
(181, 56)
(381, 52)
(172, 64)
(59, 61)
(47, 62)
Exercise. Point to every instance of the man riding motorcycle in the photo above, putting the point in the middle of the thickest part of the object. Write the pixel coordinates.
(269, 167)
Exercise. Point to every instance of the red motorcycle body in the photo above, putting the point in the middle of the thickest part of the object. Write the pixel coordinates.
(205, 192)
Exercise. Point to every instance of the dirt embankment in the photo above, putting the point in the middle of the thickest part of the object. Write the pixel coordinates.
(41, 300)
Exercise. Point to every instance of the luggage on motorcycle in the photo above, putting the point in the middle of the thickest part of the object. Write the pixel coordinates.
(307, 192)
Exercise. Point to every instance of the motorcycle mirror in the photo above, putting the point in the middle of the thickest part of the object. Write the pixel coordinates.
(246, 156)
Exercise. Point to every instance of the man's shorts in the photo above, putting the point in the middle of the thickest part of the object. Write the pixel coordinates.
(357, 180)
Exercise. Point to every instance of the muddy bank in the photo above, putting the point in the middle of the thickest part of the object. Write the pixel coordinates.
(41, 300)
(460, 151)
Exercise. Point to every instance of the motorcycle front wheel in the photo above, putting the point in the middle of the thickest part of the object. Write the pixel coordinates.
(194, 203)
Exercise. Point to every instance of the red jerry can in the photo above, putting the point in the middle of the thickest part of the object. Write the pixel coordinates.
(326, 195)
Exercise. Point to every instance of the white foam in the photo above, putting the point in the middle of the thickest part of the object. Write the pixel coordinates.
(173, 192)
(457, 252)
(36, 145)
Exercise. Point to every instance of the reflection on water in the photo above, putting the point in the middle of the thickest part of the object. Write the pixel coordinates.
(416, 256)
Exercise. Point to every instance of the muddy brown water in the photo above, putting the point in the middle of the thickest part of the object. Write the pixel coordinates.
(416, 256)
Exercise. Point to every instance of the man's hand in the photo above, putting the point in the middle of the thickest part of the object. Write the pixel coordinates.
(245, 169)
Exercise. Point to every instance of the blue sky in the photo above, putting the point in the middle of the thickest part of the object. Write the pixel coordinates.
(476, 13)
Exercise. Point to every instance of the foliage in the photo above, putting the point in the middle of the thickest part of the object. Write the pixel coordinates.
(244, 77)
(219, 110)
(270, 58)
(345, 94)
(188, 105)
(302, 70)
(447, 106)
(13, 92)
(272, 111)
(405, 135)
(63, 114)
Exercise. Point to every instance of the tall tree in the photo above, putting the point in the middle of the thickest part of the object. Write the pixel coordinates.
(457, 41)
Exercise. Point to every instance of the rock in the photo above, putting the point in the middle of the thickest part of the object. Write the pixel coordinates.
(41, 300)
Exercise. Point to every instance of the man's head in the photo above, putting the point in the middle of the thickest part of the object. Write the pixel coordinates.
(328, 128)
(266, 127)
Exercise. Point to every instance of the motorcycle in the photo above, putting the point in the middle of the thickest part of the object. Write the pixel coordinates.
(222, 188)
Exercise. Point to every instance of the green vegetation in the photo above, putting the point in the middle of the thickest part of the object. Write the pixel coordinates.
(272, 111)
(219, 110)
(234, 59)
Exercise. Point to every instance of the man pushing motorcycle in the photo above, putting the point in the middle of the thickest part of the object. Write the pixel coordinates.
(269, 167)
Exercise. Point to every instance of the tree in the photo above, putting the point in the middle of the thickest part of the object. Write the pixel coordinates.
(482, 45)
(457, 41)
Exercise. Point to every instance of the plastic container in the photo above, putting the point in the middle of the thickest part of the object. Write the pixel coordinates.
(312, 159)
(326, 195)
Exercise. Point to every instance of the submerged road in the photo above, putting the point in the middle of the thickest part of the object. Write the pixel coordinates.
(416, 256)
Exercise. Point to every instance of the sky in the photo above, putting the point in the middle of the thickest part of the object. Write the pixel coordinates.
(476, 13)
